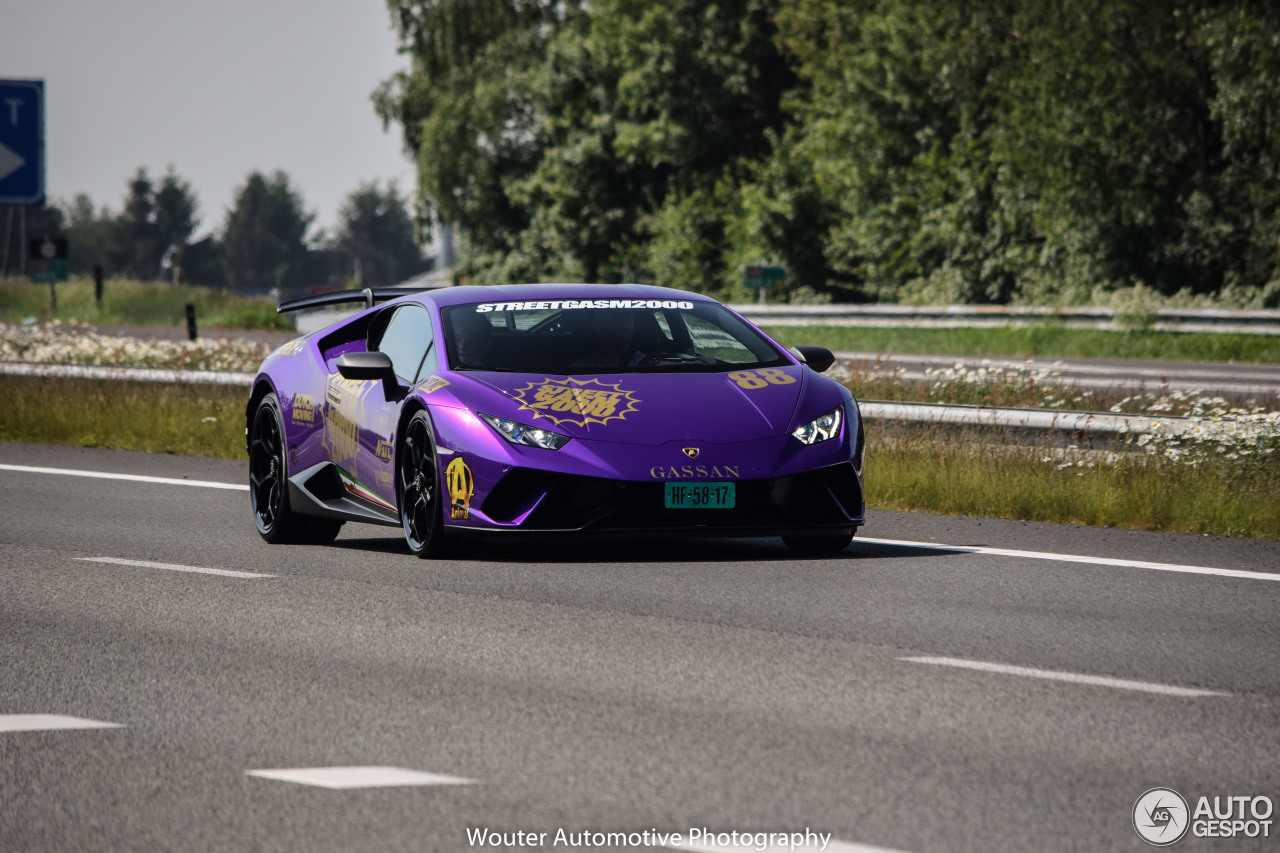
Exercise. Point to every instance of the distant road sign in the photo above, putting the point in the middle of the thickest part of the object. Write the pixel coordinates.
(763, 278)
(22, 142)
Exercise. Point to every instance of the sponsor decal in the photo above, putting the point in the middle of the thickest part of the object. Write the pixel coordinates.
(581, 304)
(383, 451)
(576, 401)
(462, 487)
(383, 479)
(345, 410)
(752, 379)
(290, 349)
(432, 383)
(691, 452)
(694, 472)
(304, 410)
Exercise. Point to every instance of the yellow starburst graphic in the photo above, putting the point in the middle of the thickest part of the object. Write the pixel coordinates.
(576, 401)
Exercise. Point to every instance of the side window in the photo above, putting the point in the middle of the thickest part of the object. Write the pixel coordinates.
(406, 339)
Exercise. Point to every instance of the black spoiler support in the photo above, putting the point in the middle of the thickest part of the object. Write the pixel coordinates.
(370, 296)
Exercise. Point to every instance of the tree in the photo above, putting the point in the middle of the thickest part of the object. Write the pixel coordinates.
(152, 220)
(467, 108)
(375, 235)
(90, 235)
(264, 235)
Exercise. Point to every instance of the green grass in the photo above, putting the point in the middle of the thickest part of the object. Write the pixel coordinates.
(135, 303)
(941, 471)
(1050, 341)
(950, 473)
(150, 416)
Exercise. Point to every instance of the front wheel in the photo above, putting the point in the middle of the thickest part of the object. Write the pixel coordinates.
(818, 545)
(418, 487)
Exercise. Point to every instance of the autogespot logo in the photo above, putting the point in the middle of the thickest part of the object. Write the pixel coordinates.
(1161, 817)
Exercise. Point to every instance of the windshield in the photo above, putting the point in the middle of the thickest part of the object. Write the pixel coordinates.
(603, 336)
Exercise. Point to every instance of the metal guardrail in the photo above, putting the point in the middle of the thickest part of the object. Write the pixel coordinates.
(1257, 322)
(1029, 420)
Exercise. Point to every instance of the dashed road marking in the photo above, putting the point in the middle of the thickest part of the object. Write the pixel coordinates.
(175, 567)
(900, 543)
(1072, 677)
(134, 478)
(1076, 558)
(342, 778)
(49, 722)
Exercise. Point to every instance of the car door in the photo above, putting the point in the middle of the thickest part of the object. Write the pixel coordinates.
(408, 339)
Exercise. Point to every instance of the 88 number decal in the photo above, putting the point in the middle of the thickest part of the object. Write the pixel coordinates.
(751, 379)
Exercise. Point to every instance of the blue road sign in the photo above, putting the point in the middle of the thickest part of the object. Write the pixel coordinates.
(22, 142)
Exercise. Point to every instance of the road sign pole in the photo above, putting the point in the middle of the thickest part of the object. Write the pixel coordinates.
(8, 238)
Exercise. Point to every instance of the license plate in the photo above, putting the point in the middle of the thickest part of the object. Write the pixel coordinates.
(699, 495)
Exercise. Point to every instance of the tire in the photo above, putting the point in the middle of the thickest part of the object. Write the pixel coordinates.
(269, 487)
(418, 489)
(818, 545)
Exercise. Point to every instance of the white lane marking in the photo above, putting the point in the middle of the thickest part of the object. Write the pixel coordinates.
(834, 846)
(934, 546)
(341, 778)
(49, 722)
(1073, 677)
(175, 567)
(136, 478)
(1076, 558)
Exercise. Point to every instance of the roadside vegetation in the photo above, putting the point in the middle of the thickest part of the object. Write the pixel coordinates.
(157, 417)
(1227, 485)
(126, 302)
(1213, 474)
(1047, 340)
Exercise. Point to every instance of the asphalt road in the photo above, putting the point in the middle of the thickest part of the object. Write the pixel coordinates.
(622, 688)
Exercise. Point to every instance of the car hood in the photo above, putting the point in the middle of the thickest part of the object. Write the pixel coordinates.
(649, 408)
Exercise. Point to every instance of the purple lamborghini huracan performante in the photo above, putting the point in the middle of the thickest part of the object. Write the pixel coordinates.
(566, 409)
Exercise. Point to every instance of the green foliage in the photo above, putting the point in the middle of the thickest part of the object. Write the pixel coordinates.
(1047, 341)
(153, 220)
(193, 420)
(135, 303)
(264, 237)
(375, 235)
(903, 150)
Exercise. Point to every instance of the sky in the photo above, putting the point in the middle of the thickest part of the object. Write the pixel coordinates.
(214, 88)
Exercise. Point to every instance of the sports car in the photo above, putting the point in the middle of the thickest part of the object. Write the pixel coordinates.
(555, 409)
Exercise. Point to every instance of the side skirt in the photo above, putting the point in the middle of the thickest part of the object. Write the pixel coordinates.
(326, 491)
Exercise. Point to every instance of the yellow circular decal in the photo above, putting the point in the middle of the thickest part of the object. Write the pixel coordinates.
(462, 486)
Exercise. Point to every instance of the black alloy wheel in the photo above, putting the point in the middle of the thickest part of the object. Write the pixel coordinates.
(268, 484)
(418, 479)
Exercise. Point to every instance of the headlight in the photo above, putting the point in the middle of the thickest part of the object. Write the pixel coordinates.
(821, 429)
(518, 433)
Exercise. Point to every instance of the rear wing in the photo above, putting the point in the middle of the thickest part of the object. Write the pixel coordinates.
(370, 296)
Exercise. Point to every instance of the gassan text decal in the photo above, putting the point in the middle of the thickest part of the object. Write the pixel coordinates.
(576, 401)
(694, 472)
(462, 486)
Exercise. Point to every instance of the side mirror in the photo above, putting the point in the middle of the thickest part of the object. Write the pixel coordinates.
(818, 358)
(370, 365)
